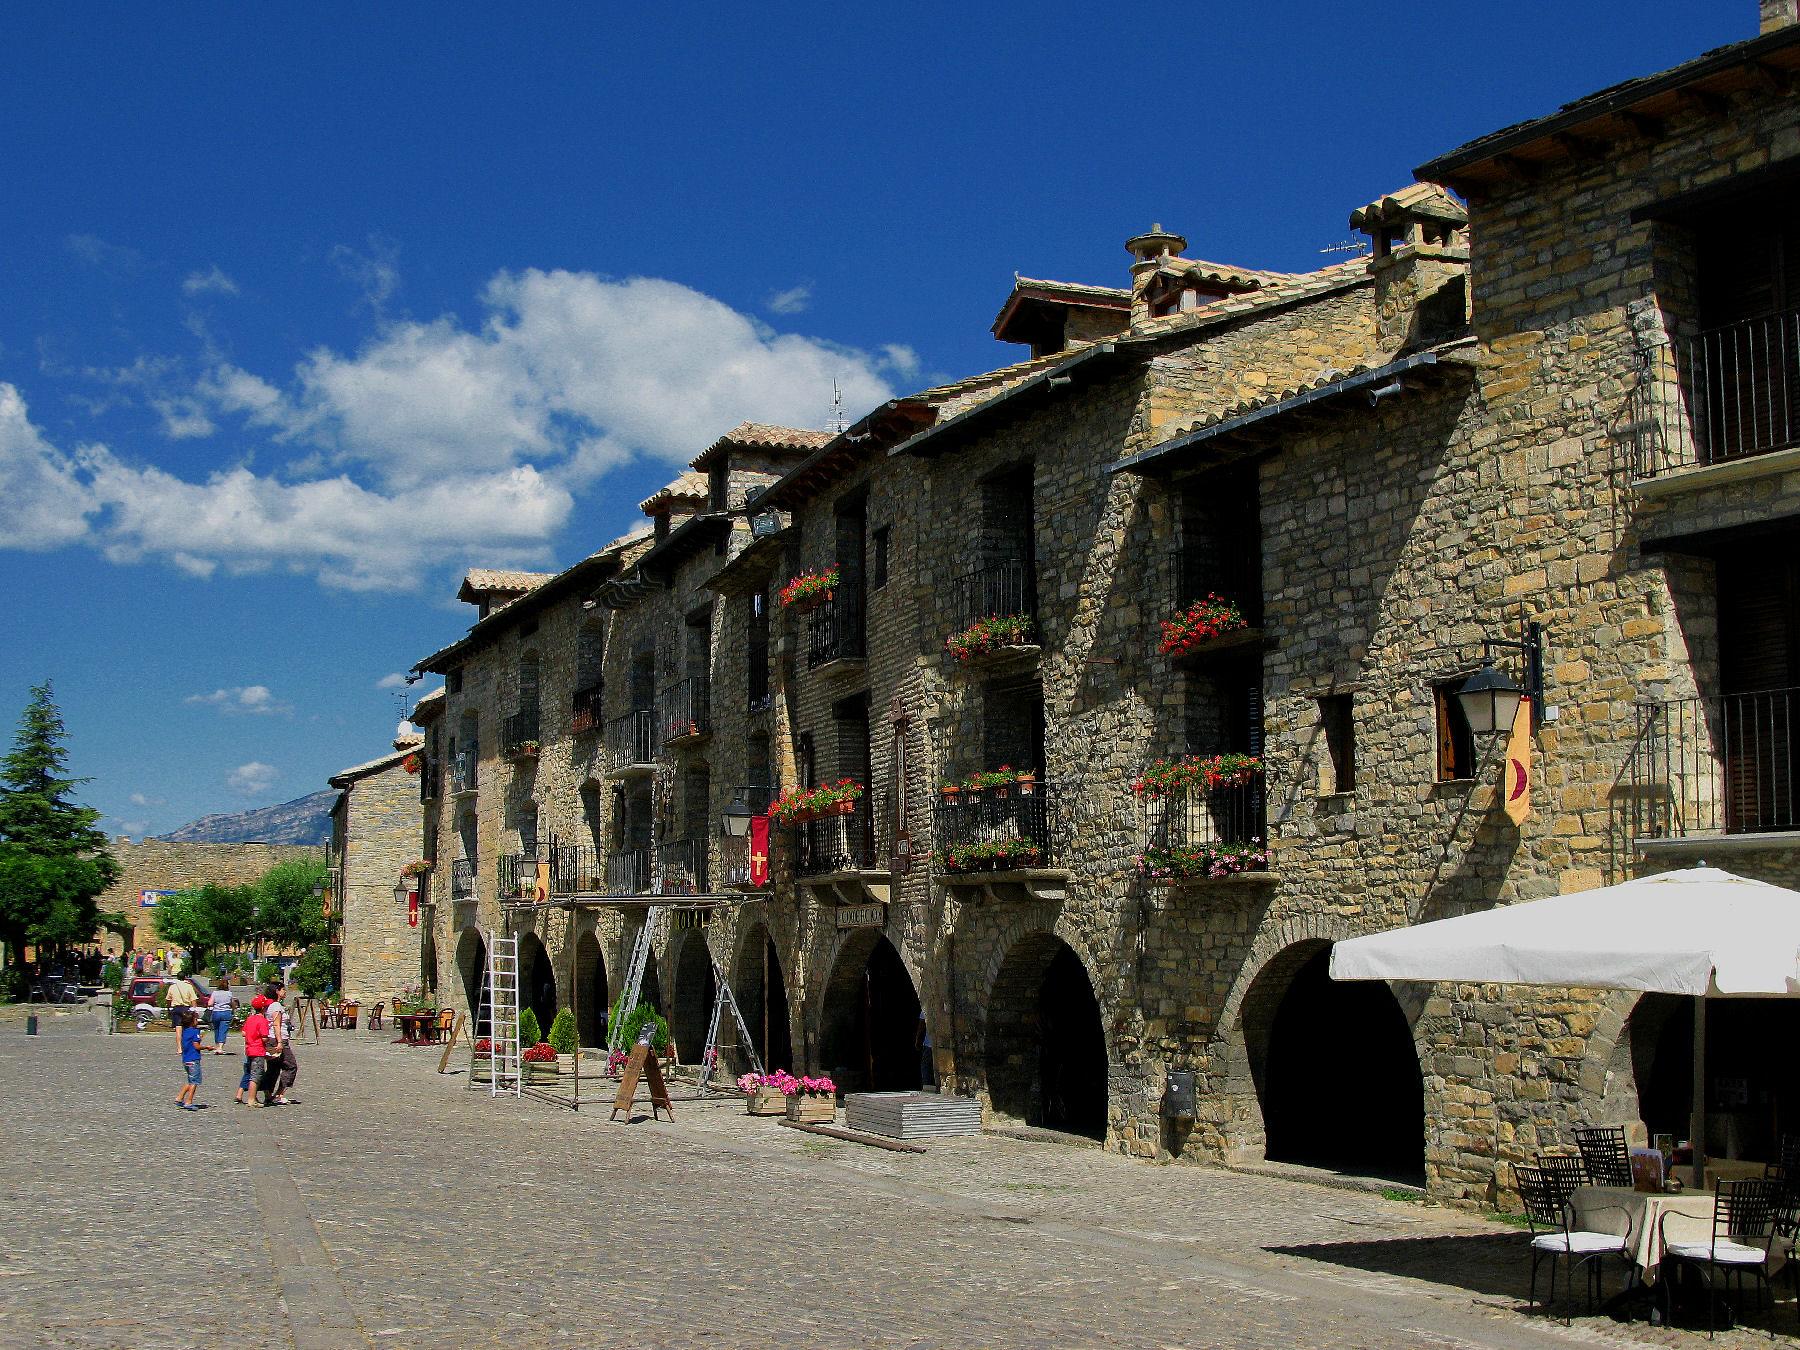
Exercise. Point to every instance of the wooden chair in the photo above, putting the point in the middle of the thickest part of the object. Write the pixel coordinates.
(375, 1023)
(346, 1015)
(327, 1015)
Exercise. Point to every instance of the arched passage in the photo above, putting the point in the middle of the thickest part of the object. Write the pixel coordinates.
(761, 993)
(1046, 1048)
(694, 991)
(537, 981)
(1335, 1068)
(590, 984)
(471, 965)
(1753, 1096)
(869, 1018)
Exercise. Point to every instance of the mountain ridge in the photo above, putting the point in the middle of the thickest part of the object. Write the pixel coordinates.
(304, 820)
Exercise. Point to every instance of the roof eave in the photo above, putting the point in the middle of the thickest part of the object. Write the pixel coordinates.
(1090, 363)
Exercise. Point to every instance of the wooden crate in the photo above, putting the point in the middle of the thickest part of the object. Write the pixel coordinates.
(766, 1101)
(810, 1110)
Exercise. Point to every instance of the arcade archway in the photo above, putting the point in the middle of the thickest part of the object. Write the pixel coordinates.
(1752, 1095)
(590, 984)
(761, 993)
(1046, 1047)
(537, 981)
(471, 965)
(695, 988)
(869, 1018)
(1335, 1068)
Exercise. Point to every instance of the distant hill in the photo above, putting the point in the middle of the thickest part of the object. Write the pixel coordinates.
(305, 820)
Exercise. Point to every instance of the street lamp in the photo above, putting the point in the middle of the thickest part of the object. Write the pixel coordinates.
(401, 891)
(737, 817)
(1490, 700)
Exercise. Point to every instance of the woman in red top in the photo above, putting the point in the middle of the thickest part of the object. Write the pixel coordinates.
(256, 1031)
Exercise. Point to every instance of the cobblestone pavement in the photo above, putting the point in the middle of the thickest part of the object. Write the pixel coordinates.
(397, 1207)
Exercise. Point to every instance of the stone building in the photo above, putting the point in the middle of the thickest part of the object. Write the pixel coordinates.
(153, 865)
(375, 838)
(1550, 423)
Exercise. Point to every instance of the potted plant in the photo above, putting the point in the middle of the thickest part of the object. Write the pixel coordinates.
(482, 1071)
(1195, 862)
(809, 589)
(562, 1036)
(540, 1062)
(764, 1097)
(991, 634)
(417, 868)
(1199, 624)
(810, 1101)
(412, 763)
(949, 791)
(526, 750)
(1208, 773)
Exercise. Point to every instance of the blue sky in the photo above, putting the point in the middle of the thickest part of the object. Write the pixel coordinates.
(304, 310)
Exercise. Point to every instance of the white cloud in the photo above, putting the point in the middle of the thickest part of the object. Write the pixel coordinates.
(254, 699)
(131, 827)
(96, 252)
(394, 681)
(791, 301)
(213, 281)
(139, 799)
(43, 501)
(253, 779)
(183, 418)
(375, 273)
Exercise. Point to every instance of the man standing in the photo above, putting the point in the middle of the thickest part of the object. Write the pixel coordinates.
(182, 995)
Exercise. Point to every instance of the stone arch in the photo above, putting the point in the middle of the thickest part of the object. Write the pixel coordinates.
(537, 981)
(471, 967)
(1045, 1048)
(591, 989)
(690, 1004)
(866, 1016)
(759, 983)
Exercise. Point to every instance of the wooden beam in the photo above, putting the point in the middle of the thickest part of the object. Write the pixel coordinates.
(1770, 79)
(1703, 101)
(1514, 167)
(1650, 128)
(1579, 147)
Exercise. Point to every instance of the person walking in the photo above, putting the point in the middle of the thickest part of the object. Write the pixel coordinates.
(218, 1012)
(282, 1067)
(256, 1031)
(188, 1028)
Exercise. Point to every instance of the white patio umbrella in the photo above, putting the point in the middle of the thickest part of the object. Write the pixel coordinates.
(1698, 931)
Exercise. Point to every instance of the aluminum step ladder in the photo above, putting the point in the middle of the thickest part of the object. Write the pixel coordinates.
(503, 1016)
(642, 952)
(723, 998)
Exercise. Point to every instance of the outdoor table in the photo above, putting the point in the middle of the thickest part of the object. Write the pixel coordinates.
(1605, 1209)
(409, 1026)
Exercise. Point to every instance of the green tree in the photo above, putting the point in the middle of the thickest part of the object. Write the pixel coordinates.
(53, 863)
(291, 915)
(203, 918)
(530, 1033)
(315, 971)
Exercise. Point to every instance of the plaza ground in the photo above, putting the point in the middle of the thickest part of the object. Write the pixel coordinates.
(394, 1206)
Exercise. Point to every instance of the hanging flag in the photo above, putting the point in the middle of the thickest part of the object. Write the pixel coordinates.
(1517, 783)
(542, 893)
(412, 908)
(759, 850)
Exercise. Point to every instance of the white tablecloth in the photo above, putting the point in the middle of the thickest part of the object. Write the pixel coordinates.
(1606, 1209)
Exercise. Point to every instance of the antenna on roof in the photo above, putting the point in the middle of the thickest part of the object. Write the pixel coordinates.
(836, 423)
(403, 699)
(1347, 246)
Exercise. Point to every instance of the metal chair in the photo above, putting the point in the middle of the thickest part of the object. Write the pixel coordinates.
(1742, 1242)
(1550, 1219)
(1565, 1171)
(1605, 1154)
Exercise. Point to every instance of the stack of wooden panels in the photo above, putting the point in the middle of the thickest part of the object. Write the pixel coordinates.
(912, 1115)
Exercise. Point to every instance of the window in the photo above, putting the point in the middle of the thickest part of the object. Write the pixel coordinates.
(807, 765)
(1336, 719)
(1455, 742)
(758, 653)
(878, 565)
(454, 680)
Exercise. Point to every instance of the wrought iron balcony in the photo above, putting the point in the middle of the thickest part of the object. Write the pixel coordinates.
(430, 777)
(1205, 832)
(834, 629)
(521, 736)
(462, 879)
(683, 867)
(841, 843)
(628, 872)
(1004, 828)
(1234, 575)
(1727, 393)
(1729, 764)
(685, 709)
(1003, 588)
(588, 710)
(631, 740)
(462, 773)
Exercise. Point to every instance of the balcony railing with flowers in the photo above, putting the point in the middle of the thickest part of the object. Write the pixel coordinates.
(685, 709)
(997, 821)
(834, 629)
(521, 739)
(631, 740)
(835, 828)
(1202, 817)
(1002, 588)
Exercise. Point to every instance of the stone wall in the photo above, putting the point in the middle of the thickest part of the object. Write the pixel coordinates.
(164, 865)
(378, 829)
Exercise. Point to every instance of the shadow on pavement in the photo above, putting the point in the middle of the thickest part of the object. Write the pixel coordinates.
(1495, 1264)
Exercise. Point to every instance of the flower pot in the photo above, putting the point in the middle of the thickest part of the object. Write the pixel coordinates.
(949, 792)
(545, 1071)
(765, 1101)
(1027, 784)
(808, 1109)
(847, 808)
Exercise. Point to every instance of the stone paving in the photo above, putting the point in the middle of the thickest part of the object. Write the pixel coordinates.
(397, 1207)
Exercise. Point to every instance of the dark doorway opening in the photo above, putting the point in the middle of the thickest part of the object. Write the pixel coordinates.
(537, 981)
(761, 994)
(1336, 1071)
(695, 988)
(1046, 1047)
(471, 964)
(1752, 1096)
(869, 1027)
(590, 984)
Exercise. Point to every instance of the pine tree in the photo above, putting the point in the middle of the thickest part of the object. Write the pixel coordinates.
(53, 862)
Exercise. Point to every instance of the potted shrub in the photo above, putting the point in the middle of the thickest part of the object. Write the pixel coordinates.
(809, 589)
(540, 1062)
(530, 1033)
(562, 1036)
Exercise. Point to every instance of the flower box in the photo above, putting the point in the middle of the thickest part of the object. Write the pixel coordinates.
(809, 589)
(766, 1101)
(1200, 623)
(996, 633)
(545, 1071)
(812, 1109)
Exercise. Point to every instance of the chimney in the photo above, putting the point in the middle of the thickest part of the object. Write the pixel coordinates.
(1419, 257)
(1779, 14)
(1148, 252)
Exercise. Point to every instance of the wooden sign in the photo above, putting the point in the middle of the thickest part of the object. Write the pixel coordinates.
(642, 1064)
(862, 916)
(456, 1025)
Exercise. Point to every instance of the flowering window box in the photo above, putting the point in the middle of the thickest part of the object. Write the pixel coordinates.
(1205, 625)
(996, 635)
(810, 589)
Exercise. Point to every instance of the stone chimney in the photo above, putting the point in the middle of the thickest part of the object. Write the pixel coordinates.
(1779, 14)
(1419, 257)
(1148, 252)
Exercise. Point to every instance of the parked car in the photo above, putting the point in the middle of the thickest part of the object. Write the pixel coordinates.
(145, 992)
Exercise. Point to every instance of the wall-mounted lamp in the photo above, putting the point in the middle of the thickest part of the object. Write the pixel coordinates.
(401, 891)
(737, 817)
(1490, 698)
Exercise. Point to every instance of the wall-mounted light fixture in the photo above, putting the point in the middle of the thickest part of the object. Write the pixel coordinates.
(737, 817)
(1490, 697)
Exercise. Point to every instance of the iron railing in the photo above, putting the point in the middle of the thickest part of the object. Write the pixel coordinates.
(1230, 574)
(628, 872)
(834, 629)
(430, 768)
(1728, 764)
(999, 589)
(1001, 828)
(1205, 831)
(588, 714)
(462, 879)
(521, 731)
(462, 772)
(1727, 393)
(840, 843)
(685, 709)
(683, 867)
(632, 739)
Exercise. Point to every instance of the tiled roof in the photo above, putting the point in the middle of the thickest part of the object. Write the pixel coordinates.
(1289, 288)
(1077, 290)
(761, 436)
(690, 487)
(1415, 199)
(480, 580)
(1223, 274)
(344, 777)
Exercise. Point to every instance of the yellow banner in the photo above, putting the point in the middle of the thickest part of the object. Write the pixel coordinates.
(1517, 782)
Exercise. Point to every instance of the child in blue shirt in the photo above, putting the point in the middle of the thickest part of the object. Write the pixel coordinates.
(189, 1031)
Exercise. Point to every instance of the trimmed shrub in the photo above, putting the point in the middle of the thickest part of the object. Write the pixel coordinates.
(112, 975)
(529, 1031)
(562, 1032)
(634, 1024)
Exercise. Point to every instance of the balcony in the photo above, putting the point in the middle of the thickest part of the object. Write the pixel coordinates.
(462, 774)
(833, 845)
(631, 743)
(462, 879)
(521, 739)
(430, 777)
(1199, 832)
(1726, 394)
(1002, 588)
(1001, 839)
(628, 872)
(1707, 768)
(684, 870)
(588, 710)
(834, 629)
(684, 709)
